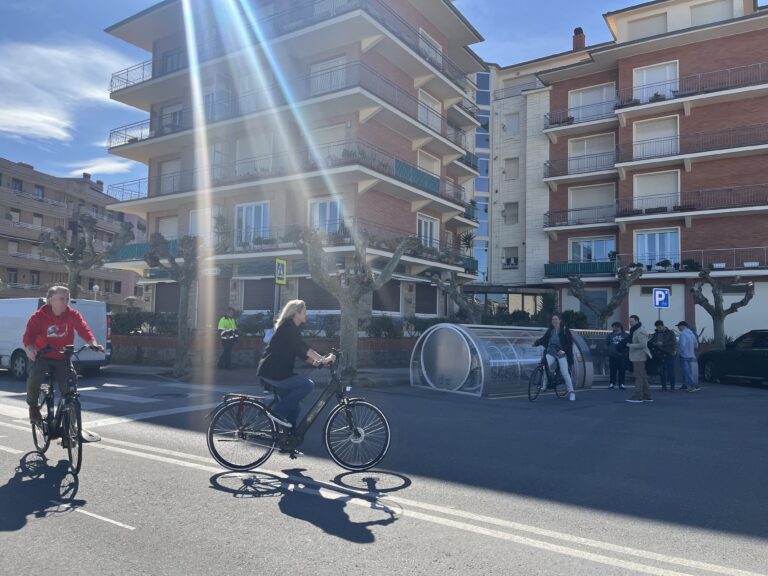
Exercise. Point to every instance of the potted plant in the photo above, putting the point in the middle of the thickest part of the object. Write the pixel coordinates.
(612, 256)
(691, 265)
(628, 103)
(676, 266)
(657, 97)
(663, 264)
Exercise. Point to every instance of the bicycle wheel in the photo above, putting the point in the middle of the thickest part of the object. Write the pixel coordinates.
(41, 430)
(561, 391)
(357, 435)
(241, 436)
(72, 436)
(535, 382)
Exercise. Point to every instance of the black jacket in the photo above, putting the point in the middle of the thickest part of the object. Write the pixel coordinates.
(612, 342)
(664, 341)
(566, 341)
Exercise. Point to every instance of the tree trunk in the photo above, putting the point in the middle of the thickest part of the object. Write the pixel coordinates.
(718, 327)
(350, 316)
(182, 330)
(73, 280)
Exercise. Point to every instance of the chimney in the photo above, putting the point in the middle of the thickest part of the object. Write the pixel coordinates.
(86, 176)
(579, 39)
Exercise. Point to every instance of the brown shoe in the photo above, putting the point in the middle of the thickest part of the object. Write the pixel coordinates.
(34, 414)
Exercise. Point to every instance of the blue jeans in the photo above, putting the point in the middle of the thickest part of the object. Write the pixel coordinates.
(292, 391)
(685, 364)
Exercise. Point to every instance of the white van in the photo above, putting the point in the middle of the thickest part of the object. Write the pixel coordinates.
(14, 314)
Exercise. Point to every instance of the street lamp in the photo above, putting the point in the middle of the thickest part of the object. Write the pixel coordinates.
(96, 289)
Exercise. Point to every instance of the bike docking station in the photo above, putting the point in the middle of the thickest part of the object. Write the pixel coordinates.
(487, 361)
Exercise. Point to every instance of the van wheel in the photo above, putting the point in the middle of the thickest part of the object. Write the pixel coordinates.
(19, 365)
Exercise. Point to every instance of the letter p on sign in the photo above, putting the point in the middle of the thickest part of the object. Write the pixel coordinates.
(661, 297)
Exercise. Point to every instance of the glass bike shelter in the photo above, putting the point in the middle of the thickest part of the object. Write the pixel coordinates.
(486, 360)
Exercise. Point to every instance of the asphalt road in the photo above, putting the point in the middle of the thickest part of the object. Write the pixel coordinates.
(469, 486)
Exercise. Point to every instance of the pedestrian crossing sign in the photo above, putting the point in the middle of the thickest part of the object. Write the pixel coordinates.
(280, 271)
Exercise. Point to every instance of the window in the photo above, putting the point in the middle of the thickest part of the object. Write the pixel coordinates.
(645, 27)
(39, 191)
(591, 154)
(91, 283)
(482, 137)
(653, 83)
(13, 247)
(429, 48)
(252, 224)
(170, 176)
(12, 276)
(118, 289)
(254, 155)
(428, 231)
(511, 168)
(171, 61)
(655, 138)
(107, 287)
(170, 119)
(168, 227)
(201, 223)
(17, 185)
(658, 190)
(512, 124)
(592, 103)
(711, 12)
(511, 213)
(429, 163)
(589, 204)
(510, 261)
(483, 98)
(328, 76)
(430, 111)
(37, 220)
(653, 246)
(426, 299)
(482, 216)
(325, 215)
(215, 159)
(34, 277)
(14, 215)
(482, 185)
(592, 249)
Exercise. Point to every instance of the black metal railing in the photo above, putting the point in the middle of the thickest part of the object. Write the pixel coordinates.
(580, 164)
(695, 200)
(715, 81)
(308, 160)
(352, 75)
(588, 113)
(511, 91)
(303, 15)
(580, 216)
(738, 137)
(471, 160)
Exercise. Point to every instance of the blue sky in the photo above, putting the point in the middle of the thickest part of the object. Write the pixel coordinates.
(56, 62)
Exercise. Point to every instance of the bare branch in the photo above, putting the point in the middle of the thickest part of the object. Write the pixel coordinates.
(386, 272)
(750, 293)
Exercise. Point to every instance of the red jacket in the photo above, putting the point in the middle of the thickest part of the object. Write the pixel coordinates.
(57, 331)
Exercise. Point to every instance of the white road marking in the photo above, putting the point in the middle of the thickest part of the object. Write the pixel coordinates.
(92, 515)
(326, 490)
(10, 450)
(26, 428)
(118, 397)
(13, 411)
(111, 421)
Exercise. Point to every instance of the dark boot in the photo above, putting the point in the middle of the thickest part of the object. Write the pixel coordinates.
(34, 414)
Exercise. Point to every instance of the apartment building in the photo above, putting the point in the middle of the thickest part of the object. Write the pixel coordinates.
(32, 202)
(353, 117)
(647, 150)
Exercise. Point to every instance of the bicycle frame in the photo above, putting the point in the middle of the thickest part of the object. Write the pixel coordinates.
(71, 395)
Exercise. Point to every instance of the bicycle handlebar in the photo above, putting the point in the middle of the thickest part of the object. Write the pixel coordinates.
(68, 350)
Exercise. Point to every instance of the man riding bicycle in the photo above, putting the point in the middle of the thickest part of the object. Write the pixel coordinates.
(53, 325)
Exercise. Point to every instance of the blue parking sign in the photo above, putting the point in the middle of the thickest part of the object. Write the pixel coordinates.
(661, 297)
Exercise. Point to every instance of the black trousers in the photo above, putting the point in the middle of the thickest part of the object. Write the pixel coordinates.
(616, 369)
(225, 360)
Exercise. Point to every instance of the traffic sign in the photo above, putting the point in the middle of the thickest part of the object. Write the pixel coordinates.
(280, 271)
(661, 297)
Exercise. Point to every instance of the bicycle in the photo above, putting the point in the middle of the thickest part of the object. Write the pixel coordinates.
(243, 432)
(536, 383)
(66, 422)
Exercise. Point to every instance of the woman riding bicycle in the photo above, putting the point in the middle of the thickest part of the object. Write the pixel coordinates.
(558, 347)
(276, 366)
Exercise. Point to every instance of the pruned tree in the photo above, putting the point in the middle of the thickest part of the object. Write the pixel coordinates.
(716, 309)
(626, 275)
(181, 267)
(77, 250)
(350, 285)
(468, 308)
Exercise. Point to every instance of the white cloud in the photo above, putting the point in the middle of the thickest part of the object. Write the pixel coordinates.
(100, 166)
(43, 86)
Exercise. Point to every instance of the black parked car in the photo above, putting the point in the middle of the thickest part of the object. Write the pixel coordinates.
(744, 359)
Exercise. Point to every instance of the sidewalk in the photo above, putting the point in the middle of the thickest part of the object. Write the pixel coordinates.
(366, 377)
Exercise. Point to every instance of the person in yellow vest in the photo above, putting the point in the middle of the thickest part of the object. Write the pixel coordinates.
(228, 334)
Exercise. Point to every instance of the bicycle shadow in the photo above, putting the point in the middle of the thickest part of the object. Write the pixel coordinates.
(38, 489)
(305, 499)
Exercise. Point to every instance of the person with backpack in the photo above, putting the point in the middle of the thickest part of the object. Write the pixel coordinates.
(616, 355)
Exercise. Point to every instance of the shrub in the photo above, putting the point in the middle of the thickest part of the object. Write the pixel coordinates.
(255, 323)
(384, 327)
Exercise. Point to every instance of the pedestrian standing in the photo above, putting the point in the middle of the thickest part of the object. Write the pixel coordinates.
(616, 361)
(663, 345)
(638, 355)
(687, 351)
(228, 334)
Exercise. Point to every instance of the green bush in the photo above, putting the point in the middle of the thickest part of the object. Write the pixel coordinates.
(384, 327)
(415, 326)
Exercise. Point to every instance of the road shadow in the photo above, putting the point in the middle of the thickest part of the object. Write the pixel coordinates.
(38, 489)
(373, 481)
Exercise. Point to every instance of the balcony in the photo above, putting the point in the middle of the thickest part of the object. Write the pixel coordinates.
(681, 93)
(580, 216)
(382, 241)
(750, 199)
(739, 141)
(289, 21)
(464, 113)
(571, 268)
(512, 91)
(421, 118)
(579, 120)
(311, 161)
(22, 229)
(579, 168)
(138, 250)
